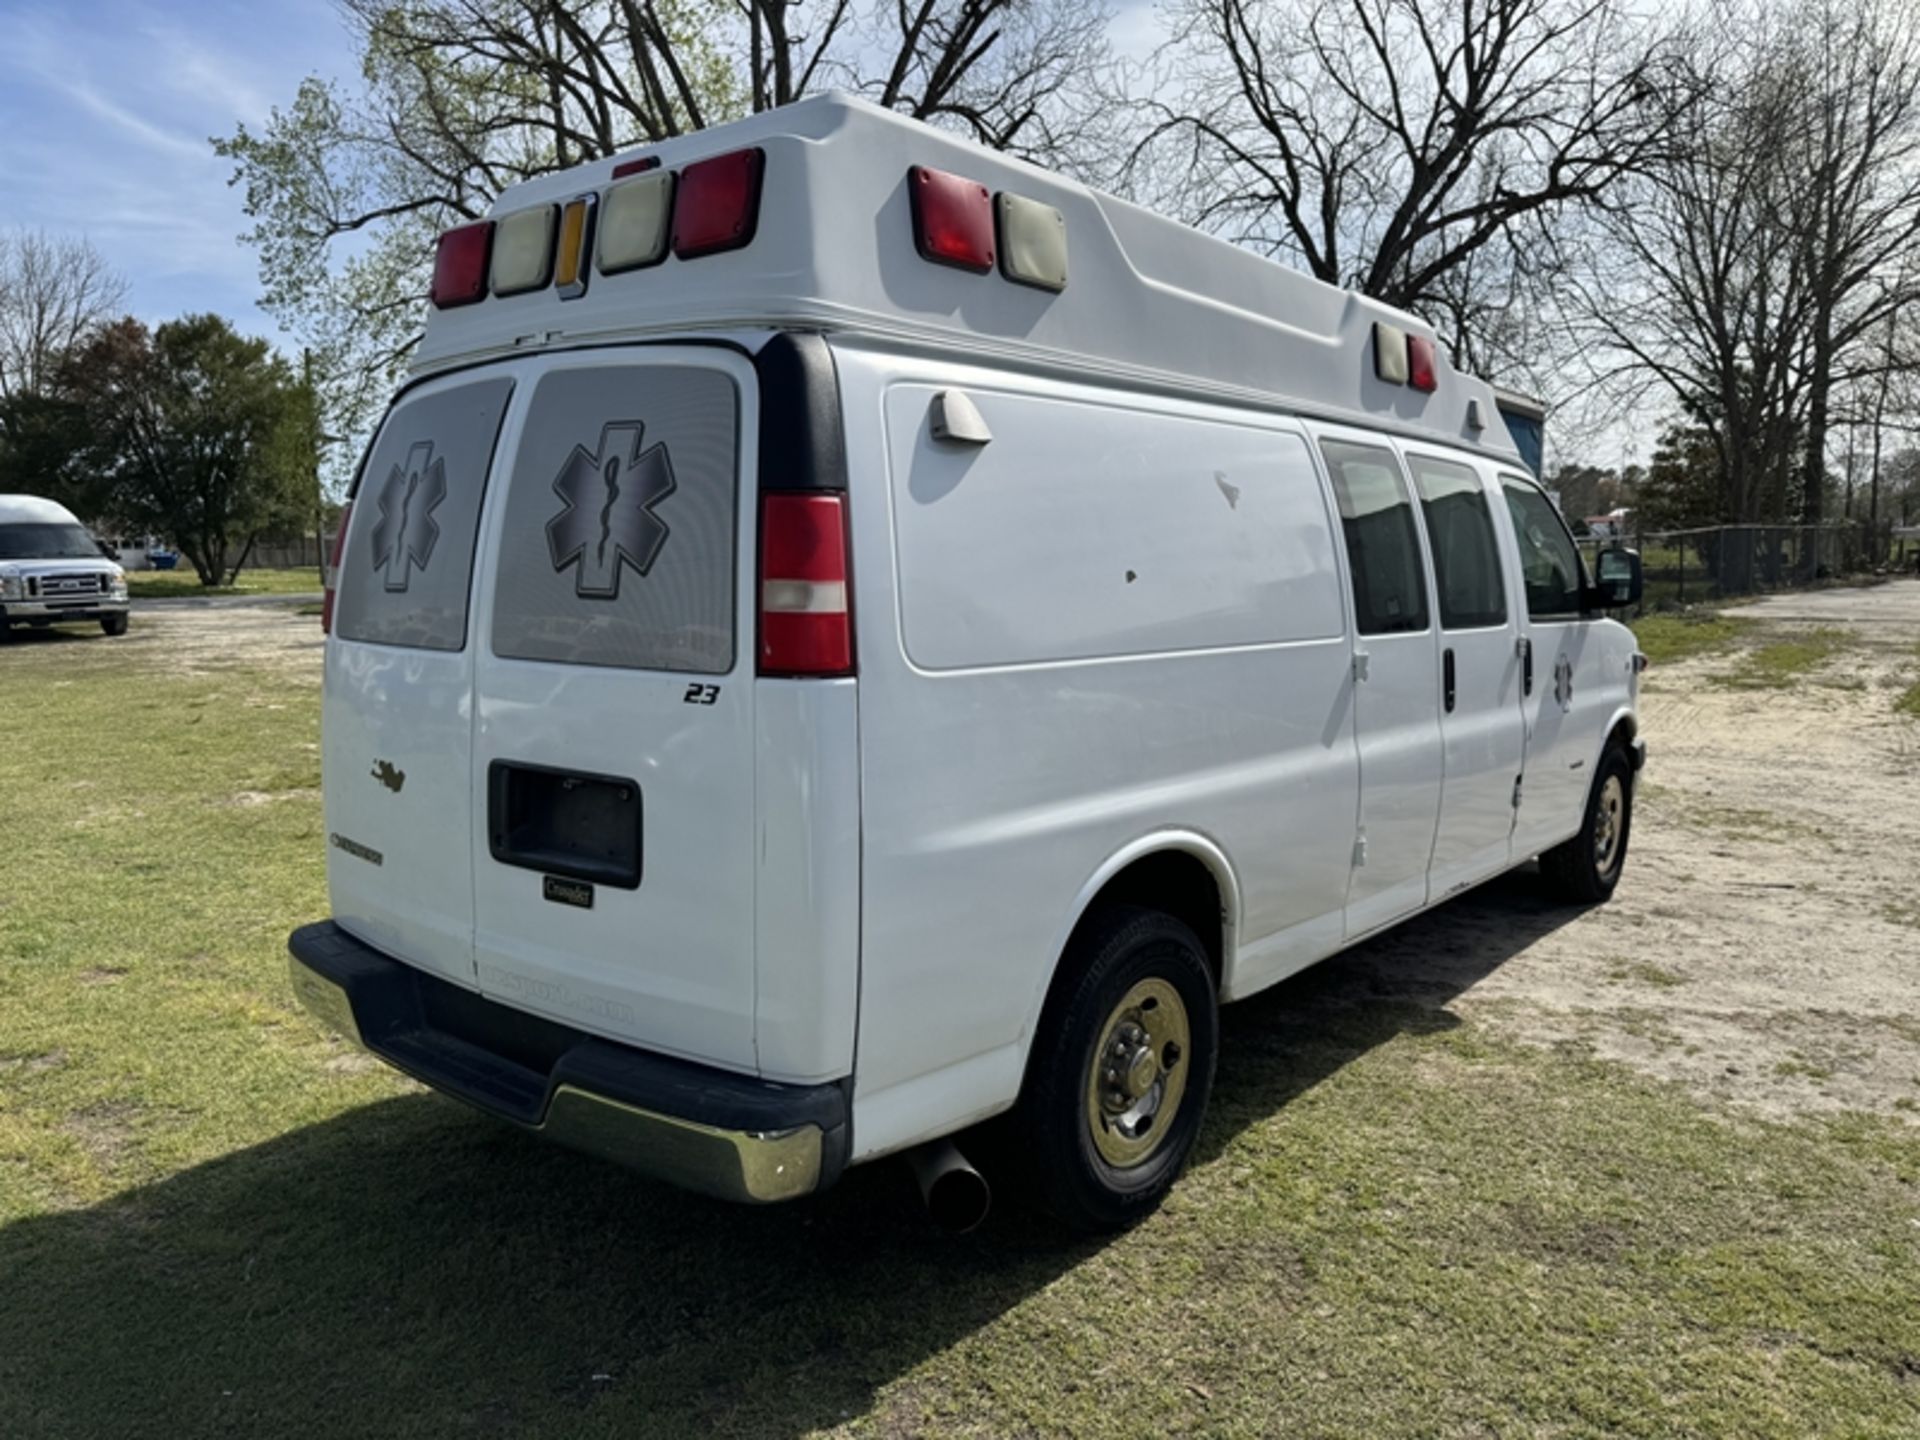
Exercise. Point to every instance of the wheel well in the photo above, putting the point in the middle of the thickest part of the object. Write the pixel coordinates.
(1623, 732)
(1175, 882)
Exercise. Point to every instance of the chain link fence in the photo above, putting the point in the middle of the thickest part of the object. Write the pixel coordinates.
(1724, 562)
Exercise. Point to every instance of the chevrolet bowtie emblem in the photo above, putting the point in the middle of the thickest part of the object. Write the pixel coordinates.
(609, 522)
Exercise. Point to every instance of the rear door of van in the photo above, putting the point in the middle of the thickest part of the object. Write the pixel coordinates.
(611, 787)
(397, 750)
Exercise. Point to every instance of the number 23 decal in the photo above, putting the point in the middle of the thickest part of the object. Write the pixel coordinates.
(701, 695)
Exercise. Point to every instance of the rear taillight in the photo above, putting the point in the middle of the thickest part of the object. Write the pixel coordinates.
(333, 569)
(806, 623)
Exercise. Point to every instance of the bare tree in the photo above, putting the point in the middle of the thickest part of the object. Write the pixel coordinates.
(1857, 140)
(466, 97)
(55, 292)
(1393, 145)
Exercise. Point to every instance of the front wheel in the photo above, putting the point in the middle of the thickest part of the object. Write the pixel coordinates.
(1122, 1066)
(1586, 868)
(114, 624)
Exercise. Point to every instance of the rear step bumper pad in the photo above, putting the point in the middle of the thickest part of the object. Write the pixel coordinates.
(693, 1126)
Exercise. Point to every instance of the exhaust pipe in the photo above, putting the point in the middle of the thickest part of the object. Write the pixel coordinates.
(957, 1196)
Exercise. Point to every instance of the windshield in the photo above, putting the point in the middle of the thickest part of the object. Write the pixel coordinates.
(47, 542)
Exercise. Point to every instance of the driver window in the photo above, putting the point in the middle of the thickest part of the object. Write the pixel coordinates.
(1549, 560)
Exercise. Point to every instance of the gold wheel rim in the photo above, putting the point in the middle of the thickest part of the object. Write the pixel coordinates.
(1609, 821)
(1139, 1074)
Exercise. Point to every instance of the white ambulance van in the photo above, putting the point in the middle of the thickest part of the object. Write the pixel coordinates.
(845, 636)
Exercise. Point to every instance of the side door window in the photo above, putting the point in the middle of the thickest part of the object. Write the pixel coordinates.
(1549, 560)
(1383, 548)
(1466, 558)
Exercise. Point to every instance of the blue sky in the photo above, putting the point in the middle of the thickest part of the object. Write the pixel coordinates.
(106, 107)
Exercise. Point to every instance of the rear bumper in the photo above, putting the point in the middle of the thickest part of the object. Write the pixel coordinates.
(691, 1125)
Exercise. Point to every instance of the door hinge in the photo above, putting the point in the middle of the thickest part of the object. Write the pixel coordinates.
(1361, 666)
(1360, 852)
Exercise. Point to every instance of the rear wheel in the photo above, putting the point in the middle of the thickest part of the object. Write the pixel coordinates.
(1122, 1066)
(1586, 868)
(114, 624)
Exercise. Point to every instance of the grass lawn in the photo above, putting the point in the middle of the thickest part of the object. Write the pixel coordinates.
(175, 584)
(215, 1220)
(1681, 634)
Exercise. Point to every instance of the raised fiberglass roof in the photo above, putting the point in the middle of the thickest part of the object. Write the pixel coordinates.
(1147, 301)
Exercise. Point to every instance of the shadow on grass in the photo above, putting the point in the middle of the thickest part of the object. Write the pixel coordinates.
(411, 1268)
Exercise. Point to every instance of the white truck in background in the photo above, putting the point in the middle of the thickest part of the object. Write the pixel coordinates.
(53, 572)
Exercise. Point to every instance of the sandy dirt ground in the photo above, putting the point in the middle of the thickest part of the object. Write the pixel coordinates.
(1764, 945)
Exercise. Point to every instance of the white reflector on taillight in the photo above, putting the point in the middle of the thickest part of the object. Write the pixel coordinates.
(634, 220)
(523, 250)
(1389, 353)
(1033, 242)
(806, 627)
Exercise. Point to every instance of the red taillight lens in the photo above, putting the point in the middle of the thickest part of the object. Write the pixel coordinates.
(333, 569)
(717, 204)
(806, 625)
(460, 263)
(952, 219)
(1420, 364)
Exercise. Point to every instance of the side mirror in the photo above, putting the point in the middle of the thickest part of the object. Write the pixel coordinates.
(1618, 582)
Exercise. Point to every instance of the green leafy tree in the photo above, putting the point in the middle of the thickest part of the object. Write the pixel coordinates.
(191, 431)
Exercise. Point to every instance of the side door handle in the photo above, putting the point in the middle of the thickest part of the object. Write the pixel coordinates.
(1446, 672)
(1525, 647)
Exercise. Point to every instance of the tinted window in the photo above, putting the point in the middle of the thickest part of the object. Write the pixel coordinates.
(1549, 563)
(1383, 549)
(619, 541)
(1466, 561)
(409, 563)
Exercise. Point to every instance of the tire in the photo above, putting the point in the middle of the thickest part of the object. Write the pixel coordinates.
(1134, 982)
(1586, 868)
(114, 624)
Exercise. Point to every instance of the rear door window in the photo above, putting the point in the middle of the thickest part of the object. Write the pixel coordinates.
(1383, 548)
(408, 570)
(618, 547)
(1466, 559)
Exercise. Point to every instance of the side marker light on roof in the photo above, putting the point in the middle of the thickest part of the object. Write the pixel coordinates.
(634, 222)
(576, 236)
(1421, 372)
(952, 219)
(717, 206)
(1389, 353)
(523, 250)
(636, 167)
(460, 265)
(1033, 242)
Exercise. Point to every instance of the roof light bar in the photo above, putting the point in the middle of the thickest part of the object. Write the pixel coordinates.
(952, 219)
(523, 250)
(1033, 242)
(1389, 353)
(634, 222)
(1421, 364)
(718, 204)
(460, 259)
(576, 236)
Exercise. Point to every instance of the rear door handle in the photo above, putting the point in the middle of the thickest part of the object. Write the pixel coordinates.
(1525, 646)
(1446, 671)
